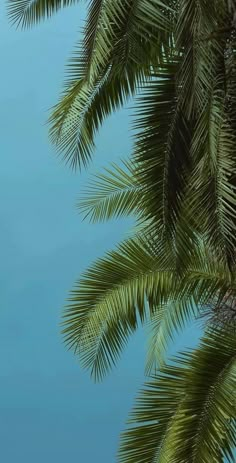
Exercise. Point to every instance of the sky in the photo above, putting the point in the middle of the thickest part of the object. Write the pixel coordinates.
(50, 410)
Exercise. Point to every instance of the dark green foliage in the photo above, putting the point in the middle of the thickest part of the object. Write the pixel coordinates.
(177, 58)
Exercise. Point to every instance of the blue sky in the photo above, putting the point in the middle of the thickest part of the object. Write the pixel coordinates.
(49, 409)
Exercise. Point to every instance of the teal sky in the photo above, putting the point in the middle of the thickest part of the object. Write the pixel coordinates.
(50, 410)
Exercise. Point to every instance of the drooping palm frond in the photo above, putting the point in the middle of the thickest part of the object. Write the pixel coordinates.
(201, 51)
(212, 186)
(81, 111)
(206, 290)
(26, 13)
(189, 161)
(162, 150)
(165, 323)
(213, 192)
(111, 194)
(108, 301)
(133, 283)
(119, 33)
(188, 411)
(116, 43)
(129, 40)
(107, 68)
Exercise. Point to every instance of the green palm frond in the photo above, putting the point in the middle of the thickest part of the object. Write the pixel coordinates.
(117, 32)
(133, 283)
(202, 51)
(107, 68)
(162, 150)
(26, 13)
(187, 413)
(187, 167)
(165, 323)
(206, 290)
(109, 300)
(205, 94)
(213, 190)
(92, 55)
(113, 193)
(81, 111)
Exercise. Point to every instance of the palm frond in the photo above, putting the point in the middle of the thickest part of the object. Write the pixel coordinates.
(201, 51)
(162, 149)
(93, 54)
(187, 413)
(206, 287)
(165, 323)
(119, 32)
(109, 300)
(133, 283)
(114, 193)
(26, 13)
(186, 165)
(81, 111)
(106, 69)
(213, 191)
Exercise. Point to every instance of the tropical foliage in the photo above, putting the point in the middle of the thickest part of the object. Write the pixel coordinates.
(177, 59)
(187, 412)
(180, 57)
(140, 281)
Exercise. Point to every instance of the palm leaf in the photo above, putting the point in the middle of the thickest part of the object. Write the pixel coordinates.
(110, 299)
(187, 413)
(112, 194)
(119, 33)
(81, 111)
(196, 23)
(165, 323)
(130, 284)
(106, 69)
(213, 192)
(162, 150)
(26, 13)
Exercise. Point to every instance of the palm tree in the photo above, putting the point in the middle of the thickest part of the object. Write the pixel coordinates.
(178, 56)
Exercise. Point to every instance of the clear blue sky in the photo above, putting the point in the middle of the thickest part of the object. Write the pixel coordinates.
(50, 411)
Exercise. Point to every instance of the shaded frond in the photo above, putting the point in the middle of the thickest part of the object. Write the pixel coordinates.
(201, 51)
(162, 149)
(212, 191)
